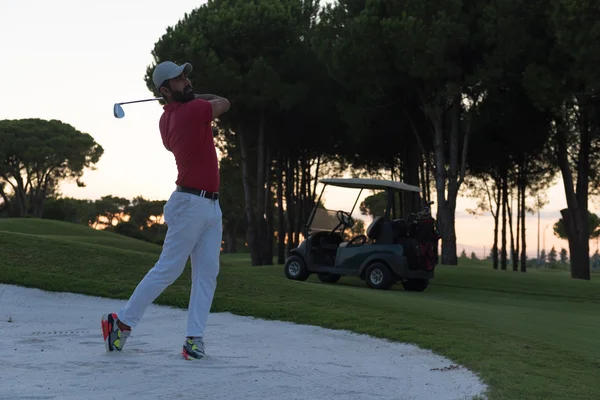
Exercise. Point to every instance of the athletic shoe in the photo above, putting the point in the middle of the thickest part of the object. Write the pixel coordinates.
(114, 338)
(193, 349)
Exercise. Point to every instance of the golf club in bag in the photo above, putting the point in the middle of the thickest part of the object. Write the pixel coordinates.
(118, 110)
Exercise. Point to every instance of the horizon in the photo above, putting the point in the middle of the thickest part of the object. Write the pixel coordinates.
(72, 68)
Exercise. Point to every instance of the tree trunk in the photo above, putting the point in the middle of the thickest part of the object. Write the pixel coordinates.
(268, 243)
(22, 204)
(290, 202)
(411, 202)
(251, 230)
(444, 219)
(39, 194)
(5, 199)
(306, 196)
(582, 229)
(259, 215)
(428, 181)
(422, 182)
(509, 213)
(578, 244)
(231, 247)
(314, 190)
(496, 223)
(523, 184)
(517, 243)
(504, 201)
(575, 215)
(280, 212)
(454, 175)
(309, 194)
(299, 200)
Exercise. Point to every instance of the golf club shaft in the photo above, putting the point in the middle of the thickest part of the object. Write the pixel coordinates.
(141, 101)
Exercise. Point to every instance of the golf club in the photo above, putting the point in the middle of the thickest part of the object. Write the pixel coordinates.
(118, 110)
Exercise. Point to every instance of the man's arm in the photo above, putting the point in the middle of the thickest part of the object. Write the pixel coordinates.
(207, 97)
(219, 104)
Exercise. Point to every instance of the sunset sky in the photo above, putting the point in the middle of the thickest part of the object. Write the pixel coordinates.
(63, 60)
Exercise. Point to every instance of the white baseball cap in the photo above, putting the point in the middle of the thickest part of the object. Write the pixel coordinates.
(168, 70)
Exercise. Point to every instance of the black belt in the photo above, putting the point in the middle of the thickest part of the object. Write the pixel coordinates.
(198, 192)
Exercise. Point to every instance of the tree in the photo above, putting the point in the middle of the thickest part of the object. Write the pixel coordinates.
(463, 254)
(507, 119)
(69, 209)
(560, 230)
(36, 155)
(542, 259)
(232, 203)
(563, 256)
(552, 256)
(473, 256)
(595, 260)
(565, 82)
(484, 187)
(110, 211)
(374, 205)
(416, 63)
(142, 213)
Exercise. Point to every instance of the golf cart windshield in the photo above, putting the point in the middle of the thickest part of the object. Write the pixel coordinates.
(324, 220)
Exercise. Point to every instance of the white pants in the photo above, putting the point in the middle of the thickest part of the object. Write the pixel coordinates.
(194, 229)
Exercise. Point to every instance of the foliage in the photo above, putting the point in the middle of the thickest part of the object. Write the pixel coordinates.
(69, 209)
(36, 155)
(552, 256)
(594, 227)
(143, 213)
(374, 205)
(563, 256)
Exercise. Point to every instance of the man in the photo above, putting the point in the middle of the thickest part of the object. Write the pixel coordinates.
(192, 213)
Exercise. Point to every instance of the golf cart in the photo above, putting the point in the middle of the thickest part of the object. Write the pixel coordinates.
(393, 249)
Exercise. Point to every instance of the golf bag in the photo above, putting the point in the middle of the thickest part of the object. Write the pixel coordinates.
(427, 237)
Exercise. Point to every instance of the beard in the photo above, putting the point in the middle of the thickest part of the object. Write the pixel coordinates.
(184, 96)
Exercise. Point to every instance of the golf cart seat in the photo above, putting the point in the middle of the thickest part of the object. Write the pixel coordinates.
(400, 228)
(381, 231)
(356, 241)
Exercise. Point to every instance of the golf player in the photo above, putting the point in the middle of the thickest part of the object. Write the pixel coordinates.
(192, 212)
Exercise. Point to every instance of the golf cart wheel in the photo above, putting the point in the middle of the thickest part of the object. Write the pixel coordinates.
(415, 285)
(295, 268)
(379, 276)
(326, 277)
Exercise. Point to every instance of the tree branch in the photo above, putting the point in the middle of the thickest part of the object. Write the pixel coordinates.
(419, 141)
(463, 166)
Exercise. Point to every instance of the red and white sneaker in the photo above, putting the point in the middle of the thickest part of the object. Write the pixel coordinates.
(193, 349)
(114, 338)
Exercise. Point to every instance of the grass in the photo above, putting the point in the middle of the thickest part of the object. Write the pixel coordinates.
(528, 336)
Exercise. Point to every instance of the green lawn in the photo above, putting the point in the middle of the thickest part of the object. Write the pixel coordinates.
(529, 336)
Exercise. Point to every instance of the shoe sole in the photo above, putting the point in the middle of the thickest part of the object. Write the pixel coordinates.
(188, 357)
(106, 330)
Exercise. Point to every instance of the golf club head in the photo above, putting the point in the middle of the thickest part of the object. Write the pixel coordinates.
(118, 111)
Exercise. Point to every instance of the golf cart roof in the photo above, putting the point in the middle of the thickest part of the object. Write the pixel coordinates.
(360, 183)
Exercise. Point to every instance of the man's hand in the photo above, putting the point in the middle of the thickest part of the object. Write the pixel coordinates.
(219, 104)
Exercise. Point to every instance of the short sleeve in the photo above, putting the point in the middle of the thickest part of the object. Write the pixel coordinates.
(202, 110)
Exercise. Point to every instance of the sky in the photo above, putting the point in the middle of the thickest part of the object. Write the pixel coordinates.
(62, 60)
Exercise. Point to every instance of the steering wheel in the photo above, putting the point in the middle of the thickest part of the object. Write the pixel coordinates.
(345, 218)
(363, 240)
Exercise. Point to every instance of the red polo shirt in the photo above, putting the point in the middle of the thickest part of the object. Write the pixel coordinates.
(186, 132)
